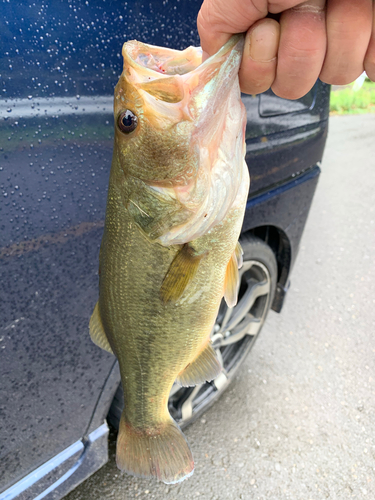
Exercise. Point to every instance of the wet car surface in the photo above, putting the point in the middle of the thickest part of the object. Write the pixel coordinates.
(58, 70)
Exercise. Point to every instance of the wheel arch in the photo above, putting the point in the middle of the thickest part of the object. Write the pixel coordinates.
(280, 244)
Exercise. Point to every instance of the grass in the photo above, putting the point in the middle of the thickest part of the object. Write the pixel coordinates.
(346, 101)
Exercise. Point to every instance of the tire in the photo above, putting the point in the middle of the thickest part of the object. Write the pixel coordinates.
(233, 335)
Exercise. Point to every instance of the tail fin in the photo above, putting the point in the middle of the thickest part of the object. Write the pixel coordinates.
(162, 452)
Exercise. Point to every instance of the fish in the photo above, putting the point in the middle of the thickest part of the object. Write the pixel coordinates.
(177, 193)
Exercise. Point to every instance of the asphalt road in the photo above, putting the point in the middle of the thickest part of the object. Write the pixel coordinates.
(298, 422)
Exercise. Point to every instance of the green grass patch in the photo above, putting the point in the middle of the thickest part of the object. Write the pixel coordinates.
(348, 101)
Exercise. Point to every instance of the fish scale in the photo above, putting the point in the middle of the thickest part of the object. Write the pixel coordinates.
(157, 325)
(158, 300)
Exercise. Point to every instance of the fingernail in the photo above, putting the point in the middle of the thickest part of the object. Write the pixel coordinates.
(264, 41)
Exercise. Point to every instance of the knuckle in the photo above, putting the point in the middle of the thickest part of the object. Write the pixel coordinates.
(296, 52)
(312, 6)
(208, 18)
(203, 20)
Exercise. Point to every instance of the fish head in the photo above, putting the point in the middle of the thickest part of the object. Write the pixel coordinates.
(179, 125)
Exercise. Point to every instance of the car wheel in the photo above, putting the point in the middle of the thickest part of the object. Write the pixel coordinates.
(233, 335)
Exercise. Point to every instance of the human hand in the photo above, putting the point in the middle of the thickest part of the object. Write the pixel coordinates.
(333, 40)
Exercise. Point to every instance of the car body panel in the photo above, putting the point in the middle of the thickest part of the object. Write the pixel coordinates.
(58, 67)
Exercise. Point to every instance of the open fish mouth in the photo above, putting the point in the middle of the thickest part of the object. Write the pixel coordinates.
(163, 60)
(170, 61)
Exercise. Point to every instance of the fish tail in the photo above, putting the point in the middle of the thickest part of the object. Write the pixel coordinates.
(160, 452)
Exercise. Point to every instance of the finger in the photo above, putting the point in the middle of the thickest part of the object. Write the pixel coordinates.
(349, 27)
(301, 50)
(258, 66)
(370, 54)
(219, 19)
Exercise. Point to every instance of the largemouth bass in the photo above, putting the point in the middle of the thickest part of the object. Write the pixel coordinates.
(177, 193)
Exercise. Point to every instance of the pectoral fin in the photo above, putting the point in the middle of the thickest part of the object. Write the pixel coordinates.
(97, 333)
(203, 369)
(180, 273)
(231, 284)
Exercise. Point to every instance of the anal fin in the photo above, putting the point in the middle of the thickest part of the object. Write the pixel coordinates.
(204, 368)
(97, 333)
(180, 273)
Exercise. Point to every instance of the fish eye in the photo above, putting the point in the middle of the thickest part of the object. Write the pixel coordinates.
(127, 121)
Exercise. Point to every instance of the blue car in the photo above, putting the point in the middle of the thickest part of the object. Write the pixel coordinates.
(59, 63)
